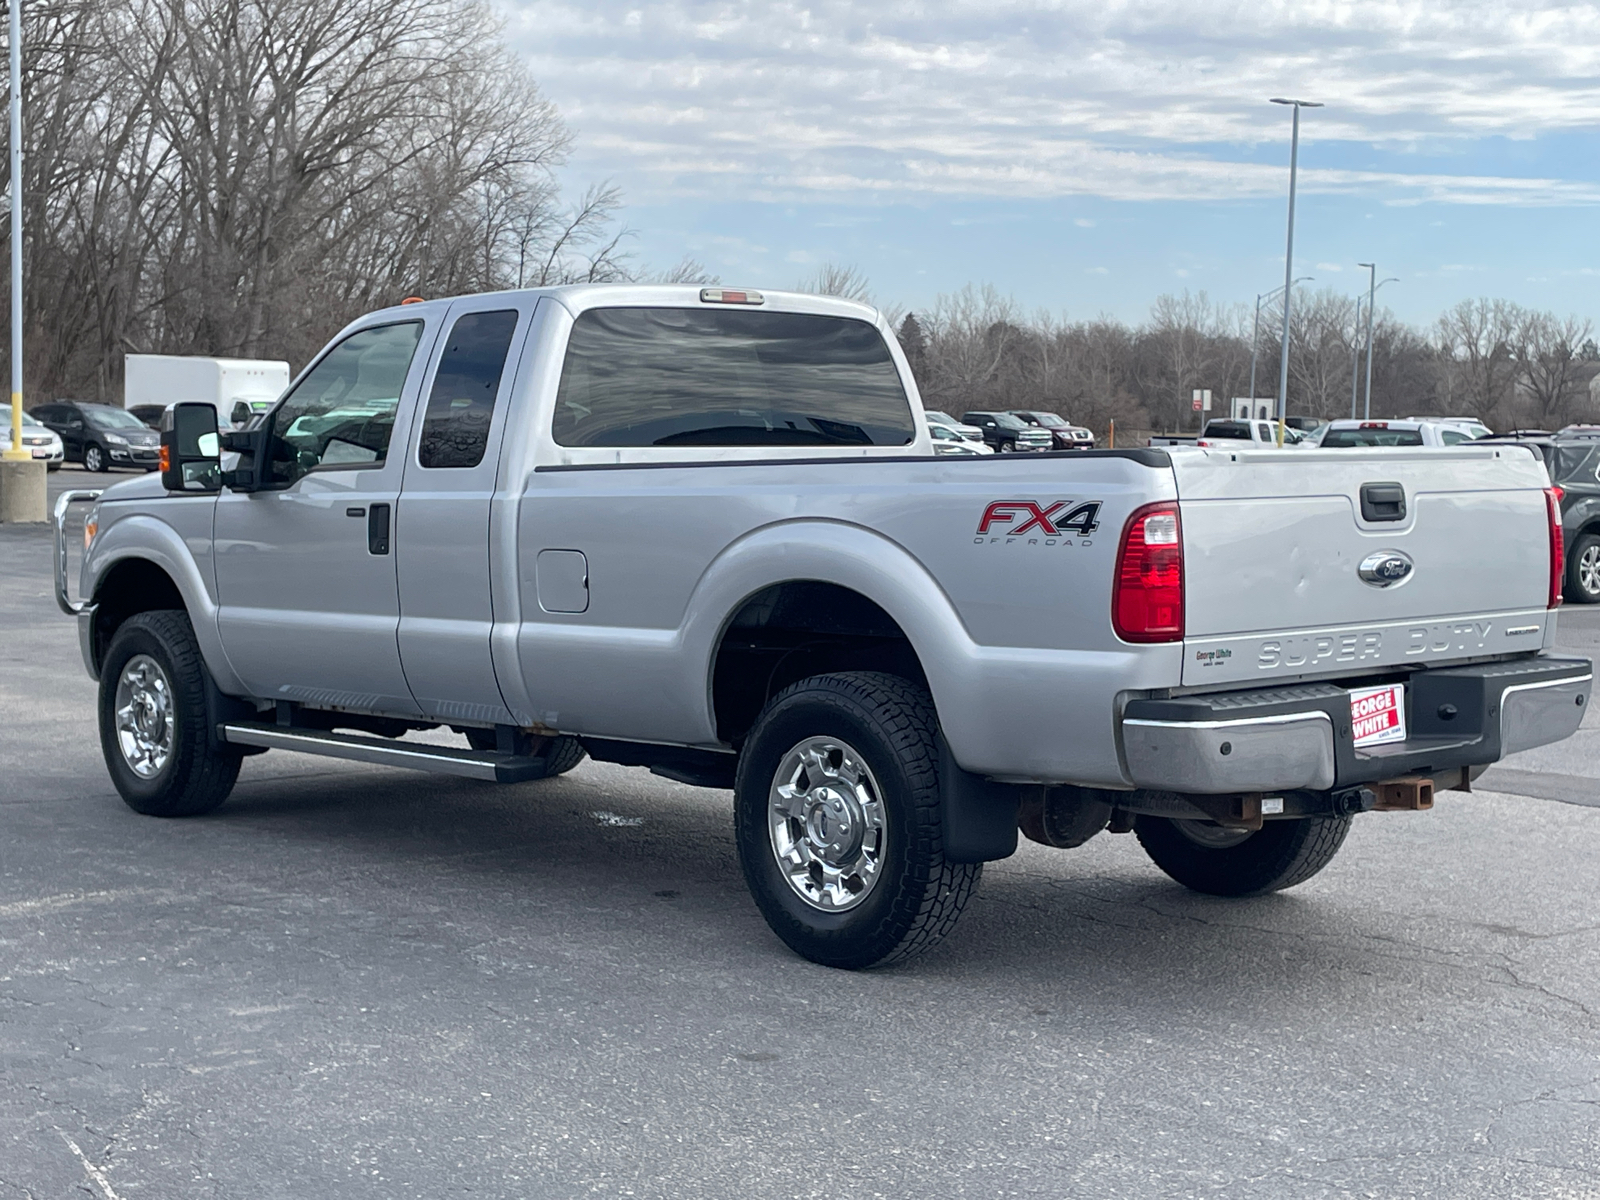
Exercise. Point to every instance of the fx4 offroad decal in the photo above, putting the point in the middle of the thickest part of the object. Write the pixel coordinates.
(1016, 518)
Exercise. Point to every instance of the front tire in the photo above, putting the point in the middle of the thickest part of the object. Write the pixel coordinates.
(153, 723)
(1205, 857)
(1583, 570)
(838, 821)
(94, 459)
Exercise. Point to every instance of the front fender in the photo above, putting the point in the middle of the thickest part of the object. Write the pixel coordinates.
(146, 536)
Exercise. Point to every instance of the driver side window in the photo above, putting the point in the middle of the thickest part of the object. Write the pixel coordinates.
(342, 413)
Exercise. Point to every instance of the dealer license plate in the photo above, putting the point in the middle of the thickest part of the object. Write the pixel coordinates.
(1378, 715)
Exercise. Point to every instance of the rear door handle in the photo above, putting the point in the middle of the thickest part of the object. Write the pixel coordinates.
(378, 529)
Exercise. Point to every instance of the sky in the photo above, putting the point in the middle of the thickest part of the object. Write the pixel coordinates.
(1086, 156)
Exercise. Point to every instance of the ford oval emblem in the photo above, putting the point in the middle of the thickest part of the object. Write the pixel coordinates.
(1386, 568)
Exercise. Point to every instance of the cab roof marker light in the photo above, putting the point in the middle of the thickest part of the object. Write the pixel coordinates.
(729, 296)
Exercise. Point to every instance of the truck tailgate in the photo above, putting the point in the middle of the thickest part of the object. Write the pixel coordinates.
(1274, 542)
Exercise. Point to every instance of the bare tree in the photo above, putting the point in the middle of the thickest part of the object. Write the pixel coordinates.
(1550, 368)
(845, 282)
(1476, 345)
(244, 176)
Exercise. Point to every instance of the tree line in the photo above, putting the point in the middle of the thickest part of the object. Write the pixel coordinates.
(242, 177)
(1510, 366)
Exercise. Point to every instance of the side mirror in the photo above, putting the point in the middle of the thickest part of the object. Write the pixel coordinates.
(190, 456)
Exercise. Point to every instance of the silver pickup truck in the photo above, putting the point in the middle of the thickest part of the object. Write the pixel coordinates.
(702, 531)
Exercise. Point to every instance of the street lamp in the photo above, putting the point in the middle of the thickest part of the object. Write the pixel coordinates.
(1255, 334)
(1372, 290)
(1355, 361)
(18, 450)
(1288, 258)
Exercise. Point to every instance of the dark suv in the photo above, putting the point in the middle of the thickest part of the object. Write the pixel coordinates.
(101, 436)
(1574, 466)
(1004, 433)
(1065, 435)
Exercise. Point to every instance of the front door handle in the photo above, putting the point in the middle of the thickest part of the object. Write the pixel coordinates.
(378, 529)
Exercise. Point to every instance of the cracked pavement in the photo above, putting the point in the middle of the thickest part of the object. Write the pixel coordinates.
(359, 982)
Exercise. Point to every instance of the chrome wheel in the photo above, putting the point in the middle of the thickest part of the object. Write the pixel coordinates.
(1211, 835)
(144, 716)
(1589, 569)
(826, 820)
(93, 460)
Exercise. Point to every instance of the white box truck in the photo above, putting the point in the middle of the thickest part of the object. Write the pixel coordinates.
(238, 388)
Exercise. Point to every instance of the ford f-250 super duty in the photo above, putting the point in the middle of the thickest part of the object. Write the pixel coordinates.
(702, 531)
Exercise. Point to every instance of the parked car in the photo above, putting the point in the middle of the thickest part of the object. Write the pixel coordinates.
(1064, 434)
(241, 412)
(612, 544)
(1574, 467)
(1309, 426)
(1471, 426)
(971, 432)
(39, 440)
(1006, 434)
(1228, 432)
(101, 436)
(1579, 431)
(1366, 435)
(947, 441)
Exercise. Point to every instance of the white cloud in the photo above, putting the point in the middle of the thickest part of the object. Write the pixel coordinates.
(787, 100)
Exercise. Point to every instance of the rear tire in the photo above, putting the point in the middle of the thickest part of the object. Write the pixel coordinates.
(163, 759)
(1583, 570)
(559, 754)
(838, 821)
(1278, 855)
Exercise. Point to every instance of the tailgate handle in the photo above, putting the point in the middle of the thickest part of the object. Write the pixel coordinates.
(1383, 502)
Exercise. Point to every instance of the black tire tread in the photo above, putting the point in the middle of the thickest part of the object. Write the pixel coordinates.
(204, 777)
(905, 715)
(1282, 855)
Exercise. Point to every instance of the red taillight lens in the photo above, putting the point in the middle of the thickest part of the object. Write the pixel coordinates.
(1147, 591)
(1558, 549)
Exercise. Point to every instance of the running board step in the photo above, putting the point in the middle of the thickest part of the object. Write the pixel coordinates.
(442, 760)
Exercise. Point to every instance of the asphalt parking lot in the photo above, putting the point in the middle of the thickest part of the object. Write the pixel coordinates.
(360, 982)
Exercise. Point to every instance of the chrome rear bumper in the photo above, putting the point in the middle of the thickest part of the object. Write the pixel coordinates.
(1291, 738)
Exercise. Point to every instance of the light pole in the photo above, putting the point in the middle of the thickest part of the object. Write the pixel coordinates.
(1288, 258)
(18, 451)
(1255, 335)
(1372, 290)
(1355, 360)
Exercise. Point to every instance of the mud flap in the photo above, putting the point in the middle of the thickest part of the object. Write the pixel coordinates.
(979, 816)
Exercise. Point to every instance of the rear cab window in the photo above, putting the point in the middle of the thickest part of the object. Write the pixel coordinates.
(708, 377)
(1238, 431)
(1345, 439)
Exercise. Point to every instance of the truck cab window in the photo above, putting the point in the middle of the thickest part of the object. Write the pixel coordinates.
(455, 429)
(342, 412)
(705, 377)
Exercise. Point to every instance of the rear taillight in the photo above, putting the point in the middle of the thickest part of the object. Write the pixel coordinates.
(1558, 552)
(1147, 591)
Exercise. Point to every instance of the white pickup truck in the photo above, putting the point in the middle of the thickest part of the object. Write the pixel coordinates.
(703, 532)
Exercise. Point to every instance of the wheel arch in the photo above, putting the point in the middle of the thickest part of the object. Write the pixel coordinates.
(830, 583)
(140, 564)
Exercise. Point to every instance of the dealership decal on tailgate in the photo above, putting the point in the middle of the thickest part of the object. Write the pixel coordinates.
(1378, 714)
